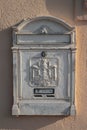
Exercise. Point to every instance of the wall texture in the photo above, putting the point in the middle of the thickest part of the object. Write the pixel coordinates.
(12, 12)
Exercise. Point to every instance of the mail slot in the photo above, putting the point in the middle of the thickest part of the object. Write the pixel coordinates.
(43, 67)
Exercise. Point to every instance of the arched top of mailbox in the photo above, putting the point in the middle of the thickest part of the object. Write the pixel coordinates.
(43, 25)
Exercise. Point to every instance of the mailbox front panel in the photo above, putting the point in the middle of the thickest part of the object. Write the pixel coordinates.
(44, 77)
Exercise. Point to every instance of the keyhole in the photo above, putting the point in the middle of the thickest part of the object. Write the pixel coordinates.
(43, 54)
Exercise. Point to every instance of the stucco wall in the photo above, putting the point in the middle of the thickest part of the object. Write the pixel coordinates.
(12, 12)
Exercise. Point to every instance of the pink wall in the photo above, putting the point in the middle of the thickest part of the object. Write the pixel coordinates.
(12, 12)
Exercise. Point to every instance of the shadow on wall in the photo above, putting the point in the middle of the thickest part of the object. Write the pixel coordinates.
(60, 8)
(7, 121)
(5, 72)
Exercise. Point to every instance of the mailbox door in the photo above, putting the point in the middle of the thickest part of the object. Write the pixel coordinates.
(45, 77)
(44, 81)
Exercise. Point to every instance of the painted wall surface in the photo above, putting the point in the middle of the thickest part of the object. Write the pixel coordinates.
(12, 12)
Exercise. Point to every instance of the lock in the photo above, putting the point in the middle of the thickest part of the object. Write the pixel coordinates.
(43, 54)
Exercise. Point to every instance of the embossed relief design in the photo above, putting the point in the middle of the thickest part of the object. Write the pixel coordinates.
(43, 72)
(44, 29)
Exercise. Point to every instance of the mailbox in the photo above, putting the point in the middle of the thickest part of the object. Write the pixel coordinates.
(43, 67)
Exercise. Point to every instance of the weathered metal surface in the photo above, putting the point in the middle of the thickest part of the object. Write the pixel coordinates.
(43, 67)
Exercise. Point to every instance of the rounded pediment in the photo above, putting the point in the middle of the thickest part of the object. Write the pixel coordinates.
(43, 25)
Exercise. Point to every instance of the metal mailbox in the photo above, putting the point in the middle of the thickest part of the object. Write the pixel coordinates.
(43, 67)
